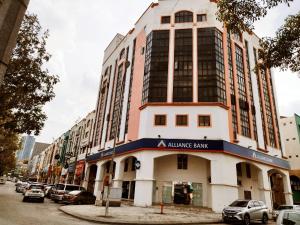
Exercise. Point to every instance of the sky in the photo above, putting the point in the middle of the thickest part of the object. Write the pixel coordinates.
(80, 30)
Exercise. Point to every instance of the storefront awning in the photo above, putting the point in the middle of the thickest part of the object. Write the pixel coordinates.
(215, 146)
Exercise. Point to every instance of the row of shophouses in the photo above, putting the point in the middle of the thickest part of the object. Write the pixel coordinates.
(63, 161)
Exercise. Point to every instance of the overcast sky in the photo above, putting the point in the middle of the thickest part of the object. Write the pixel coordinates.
(80, 30)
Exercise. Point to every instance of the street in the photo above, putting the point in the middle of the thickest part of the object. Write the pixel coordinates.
(15, 212)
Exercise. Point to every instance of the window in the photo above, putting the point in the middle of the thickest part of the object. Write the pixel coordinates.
(248, 170)
(183, 17)
(239, 170)
(182, 162)
(181, 120)
(160, 120)
(204, 121)
(156, 67)
(294, 139)
(201, 17)
(247, 195)
(183, 66)
(133, 161)
(211, 72)
(165, 19)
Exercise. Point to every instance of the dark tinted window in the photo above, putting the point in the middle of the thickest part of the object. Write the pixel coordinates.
(156, 67)
(183, 17)
(204, 121)
(183, 66)
(60, 187)
(201, 17)
(72, 188)
(182, 162)
(36, 187)
(160, 120)
(181, 120)
(165, 19)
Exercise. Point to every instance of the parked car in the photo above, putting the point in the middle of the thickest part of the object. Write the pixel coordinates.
(61, 189)
(21, 186)
(48, 190)
(79, 198)
(246, 211)
(2, 180)
(276, 212)
(34, 191)
(288, 217)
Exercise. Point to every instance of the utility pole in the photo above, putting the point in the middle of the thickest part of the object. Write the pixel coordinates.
(111, 166)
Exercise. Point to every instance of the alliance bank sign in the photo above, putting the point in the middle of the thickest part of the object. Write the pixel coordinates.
(183, 145)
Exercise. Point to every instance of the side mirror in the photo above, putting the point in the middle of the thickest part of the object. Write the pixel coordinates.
(249, 207)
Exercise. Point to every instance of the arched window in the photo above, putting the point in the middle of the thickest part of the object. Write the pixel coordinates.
(122, 54)
(183, 17)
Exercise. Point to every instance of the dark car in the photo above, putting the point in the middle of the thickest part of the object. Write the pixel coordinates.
(61, 189)
(79, 198)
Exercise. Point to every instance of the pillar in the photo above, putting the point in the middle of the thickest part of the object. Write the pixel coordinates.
(287, 189)
(265, 188)
(86, 175)
(117, 181)
(144, 181)
(224, 188)
(98, 181)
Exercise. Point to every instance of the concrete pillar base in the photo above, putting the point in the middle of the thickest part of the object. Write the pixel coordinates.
(143, 192)
(222, 195)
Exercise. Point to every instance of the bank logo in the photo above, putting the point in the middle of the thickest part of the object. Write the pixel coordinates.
(161, 144)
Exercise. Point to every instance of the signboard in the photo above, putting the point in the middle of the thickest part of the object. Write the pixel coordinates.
(193, 145)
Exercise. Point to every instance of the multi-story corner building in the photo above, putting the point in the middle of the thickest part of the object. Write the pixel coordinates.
(34, 158)
(194, 115)
(290, 127)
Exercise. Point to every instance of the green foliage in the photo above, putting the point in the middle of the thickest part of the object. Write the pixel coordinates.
(27, 86)
(239, 15)
(10, 143)
(284, 49)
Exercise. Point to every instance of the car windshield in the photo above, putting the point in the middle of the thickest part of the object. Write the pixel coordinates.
(36, 187)
(282, 207)
(239, 204)
(60, 187)
(72, 187)
(291, 218)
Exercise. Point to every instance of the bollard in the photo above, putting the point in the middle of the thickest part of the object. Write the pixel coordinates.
(161, 208)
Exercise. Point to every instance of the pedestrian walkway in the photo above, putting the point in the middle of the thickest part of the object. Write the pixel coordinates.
(138, 215)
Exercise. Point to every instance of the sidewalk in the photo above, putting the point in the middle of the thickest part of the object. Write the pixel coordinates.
(138, 215)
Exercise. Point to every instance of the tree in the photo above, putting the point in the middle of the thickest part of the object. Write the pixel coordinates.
(28, 85)
(282, 51)
(9, 144)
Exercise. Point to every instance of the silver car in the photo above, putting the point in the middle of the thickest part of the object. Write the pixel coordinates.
(246, 211)
(276, 212)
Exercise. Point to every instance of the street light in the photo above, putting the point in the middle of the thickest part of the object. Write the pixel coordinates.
(111, 166)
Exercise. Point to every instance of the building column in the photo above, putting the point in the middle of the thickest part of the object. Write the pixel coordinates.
(98, 181)
(224, 188)
(265, 188)
(117, 181)
(287, 189)
(195, 64)
(86, 175)
(144, 181)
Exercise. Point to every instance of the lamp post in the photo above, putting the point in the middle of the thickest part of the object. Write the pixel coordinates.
(111, 166)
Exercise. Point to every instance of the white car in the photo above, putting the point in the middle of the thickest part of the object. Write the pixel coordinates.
(34, 192)
(2, 180)
(287, 217)
(276, 212)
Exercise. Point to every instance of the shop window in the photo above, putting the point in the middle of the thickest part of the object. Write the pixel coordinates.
(165, 19)
(201, 17)
(126, 165)
(247, 195)
(248, 170)
(160, 120)
(182, 162)
(183, 17)
(181, 120)
(204, 121)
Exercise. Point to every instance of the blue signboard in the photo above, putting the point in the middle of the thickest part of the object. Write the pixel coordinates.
(192, 145)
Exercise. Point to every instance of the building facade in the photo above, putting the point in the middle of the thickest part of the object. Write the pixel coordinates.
(290, 127)
(194, 123)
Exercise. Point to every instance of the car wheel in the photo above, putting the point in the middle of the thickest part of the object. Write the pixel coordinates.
(42, 200)
(265, 219)
(24, 199)
(247, 219)
(79, 203)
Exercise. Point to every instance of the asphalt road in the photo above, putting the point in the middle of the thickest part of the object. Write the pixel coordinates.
(15, 212)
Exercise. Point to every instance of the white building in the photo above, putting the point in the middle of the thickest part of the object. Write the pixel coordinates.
(193, 113)
(290, 127)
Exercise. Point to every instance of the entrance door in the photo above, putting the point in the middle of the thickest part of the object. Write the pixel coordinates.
(125, 189)
(197, 199)
(167, 194)
(132, 190)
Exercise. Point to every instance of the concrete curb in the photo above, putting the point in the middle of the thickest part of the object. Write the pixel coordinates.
(111, 220)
